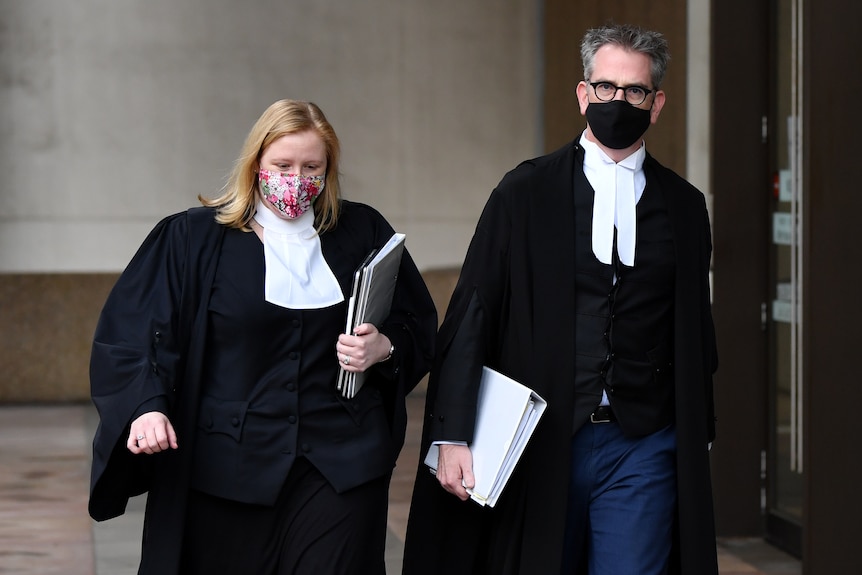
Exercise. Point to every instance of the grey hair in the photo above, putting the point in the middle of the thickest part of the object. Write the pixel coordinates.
(631, 38)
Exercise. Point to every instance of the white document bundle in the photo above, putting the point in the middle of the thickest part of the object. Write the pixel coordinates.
(371, 299)
(506, 416)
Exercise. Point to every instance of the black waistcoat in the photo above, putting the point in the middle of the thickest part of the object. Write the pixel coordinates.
(624, 339)
(269, 390)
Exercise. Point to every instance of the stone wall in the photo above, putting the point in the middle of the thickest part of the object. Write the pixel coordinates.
(48, 322)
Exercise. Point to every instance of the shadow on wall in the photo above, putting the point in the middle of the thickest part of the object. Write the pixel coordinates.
(49, 320)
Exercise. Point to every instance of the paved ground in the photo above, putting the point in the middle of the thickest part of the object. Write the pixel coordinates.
(45, 529)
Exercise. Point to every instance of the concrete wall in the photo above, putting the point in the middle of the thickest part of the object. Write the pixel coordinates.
(115, 113)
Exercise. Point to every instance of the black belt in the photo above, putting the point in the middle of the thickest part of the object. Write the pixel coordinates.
(603, 414)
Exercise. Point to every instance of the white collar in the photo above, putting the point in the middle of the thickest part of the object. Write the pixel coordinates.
(618, 187)
(270, 221)
(297, 274)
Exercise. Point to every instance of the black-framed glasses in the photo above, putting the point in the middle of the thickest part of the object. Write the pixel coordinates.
(635, 95)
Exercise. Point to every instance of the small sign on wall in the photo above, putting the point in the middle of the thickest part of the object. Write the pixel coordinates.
(782, 228)
(785, 186)
(781, 311)
(784, 291)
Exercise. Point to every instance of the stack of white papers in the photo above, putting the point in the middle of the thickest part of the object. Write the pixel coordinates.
(371, 299)
(506, 416)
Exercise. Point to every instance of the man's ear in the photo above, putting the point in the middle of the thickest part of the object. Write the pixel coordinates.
(657, 105)
(583, 99)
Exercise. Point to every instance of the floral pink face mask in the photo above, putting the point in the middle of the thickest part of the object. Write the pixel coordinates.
(291, 194)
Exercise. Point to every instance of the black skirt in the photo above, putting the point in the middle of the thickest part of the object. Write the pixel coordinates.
(311, 529)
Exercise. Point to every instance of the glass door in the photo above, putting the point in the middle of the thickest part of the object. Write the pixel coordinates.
(785, 464)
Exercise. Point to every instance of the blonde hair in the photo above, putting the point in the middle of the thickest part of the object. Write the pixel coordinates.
(236, 205)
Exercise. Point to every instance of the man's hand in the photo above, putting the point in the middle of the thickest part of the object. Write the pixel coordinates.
(151, 433)
(455, 470)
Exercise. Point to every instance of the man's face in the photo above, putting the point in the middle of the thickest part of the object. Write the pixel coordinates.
(622, 68)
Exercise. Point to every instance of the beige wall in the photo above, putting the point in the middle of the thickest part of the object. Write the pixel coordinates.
(114, 114)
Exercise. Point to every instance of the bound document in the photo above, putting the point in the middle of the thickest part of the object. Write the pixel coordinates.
(506, 416)
(371, 299)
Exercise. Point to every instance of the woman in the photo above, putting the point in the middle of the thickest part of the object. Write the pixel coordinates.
(215, 362)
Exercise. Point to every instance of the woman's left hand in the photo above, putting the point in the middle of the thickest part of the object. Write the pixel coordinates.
(363, 349)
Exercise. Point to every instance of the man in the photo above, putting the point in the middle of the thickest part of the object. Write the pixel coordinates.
(587, 281)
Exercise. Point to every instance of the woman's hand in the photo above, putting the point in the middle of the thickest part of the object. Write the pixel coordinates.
(363, 349)
(151, 433)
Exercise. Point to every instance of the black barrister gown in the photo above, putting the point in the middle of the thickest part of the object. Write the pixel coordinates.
(150, 346)
(513, 309)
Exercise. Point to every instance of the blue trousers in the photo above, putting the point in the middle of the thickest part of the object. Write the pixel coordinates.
(622, 501)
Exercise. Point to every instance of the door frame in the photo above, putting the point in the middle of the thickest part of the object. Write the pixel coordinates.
(741, 185)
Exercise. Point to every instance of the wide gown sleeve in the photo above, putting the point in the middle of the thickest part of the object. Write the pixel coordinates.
(135, 359)
(468, 337)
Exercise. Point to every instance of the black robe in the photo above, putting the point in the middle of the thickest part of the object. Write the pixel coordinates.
(150, 341)
(513, 309)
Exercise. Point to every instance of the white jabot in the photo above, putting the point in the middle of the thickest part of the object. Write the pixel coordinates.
(297, 275)
(618, 187)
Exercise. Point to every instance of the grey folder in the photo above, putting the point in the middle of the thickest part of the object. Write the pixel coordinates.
(371, 300)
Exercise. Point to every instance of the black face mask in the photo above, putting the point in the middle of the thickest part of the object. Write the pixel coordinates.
(617, 124)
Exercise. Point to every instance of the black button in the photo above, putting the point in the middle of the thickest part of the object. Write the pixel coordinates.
(305, 448)
(441, 418)
(291, 387)
(157, 335)
(291, 419)
(234, 421)
(293, 356)
(295, 323)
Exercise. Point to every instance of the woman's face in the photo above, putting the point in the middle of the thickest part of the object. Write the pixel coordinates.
(303, 154)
